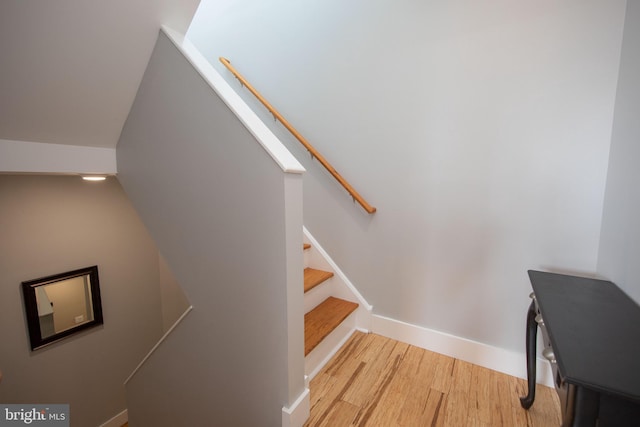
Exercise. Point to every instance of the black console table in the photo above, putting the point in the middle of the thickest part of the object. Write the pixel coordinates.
(591, 334)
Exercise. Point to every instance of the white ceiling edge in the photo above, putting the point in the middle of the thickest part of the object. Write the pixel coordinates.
(42, 158)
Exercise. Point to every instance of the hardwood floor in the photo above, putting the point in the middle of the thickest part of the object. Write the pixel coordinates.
(376, 381)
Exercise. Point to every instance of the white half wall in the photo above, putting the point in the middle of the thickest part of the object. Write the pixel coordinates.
(227, 218)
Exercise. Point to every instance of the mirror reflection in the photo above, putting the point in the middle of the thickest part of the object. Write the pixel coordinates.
(63, 305)
(60, 305)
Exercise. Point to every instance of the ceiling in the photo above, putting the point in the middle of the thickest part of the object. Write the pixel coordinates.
(70, 69)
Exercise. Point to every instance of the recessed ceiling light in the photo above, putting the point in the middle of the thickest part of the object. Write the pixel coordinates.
(94, 178)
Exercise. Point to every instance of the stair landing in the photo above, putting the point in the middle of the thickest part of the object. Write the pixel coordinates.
(319, 322)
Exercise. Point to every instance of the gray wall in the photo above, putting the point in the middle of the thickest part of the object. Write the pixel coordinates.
(214, 201)
(53, 224)
(174, 301)
(480, 131)
(620, 240)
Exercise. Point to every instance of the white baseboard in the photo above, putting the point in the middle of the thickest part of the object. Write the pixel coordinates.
(298, 413)
(497, 359)
(118, 420)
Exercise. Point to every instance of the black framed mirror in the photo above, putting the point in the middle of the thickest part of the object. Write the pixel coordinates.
(61, 305)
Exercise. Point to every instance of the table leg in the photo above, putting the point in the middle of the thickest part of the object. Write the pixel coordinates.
(587, 408)
(532, 331)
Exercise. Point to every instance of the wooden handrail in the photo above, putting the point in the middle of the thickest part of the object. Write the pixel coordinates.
(314, 153)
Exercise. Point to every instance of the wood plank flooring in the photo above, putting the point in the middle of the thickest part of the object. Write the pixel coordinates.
(375, 381)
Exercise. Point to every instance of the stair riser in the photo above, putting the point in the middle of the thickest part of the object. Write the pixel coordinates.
(316, 260)
(319, 259)
(339, 287)
(307, 257)
(320, 355)
(318, 294)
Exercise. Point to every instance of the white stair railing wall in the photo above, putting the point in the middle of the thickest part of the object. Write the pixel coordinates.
(214, 188)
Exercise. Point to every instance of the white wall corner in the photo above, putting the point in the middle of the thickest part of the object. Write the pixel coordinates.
(298, 413)
(118, 420)
(495, 358)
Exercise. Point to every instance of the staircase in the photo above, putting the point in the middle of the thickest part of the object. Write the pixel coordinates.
(332, 310)
(324, 319)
